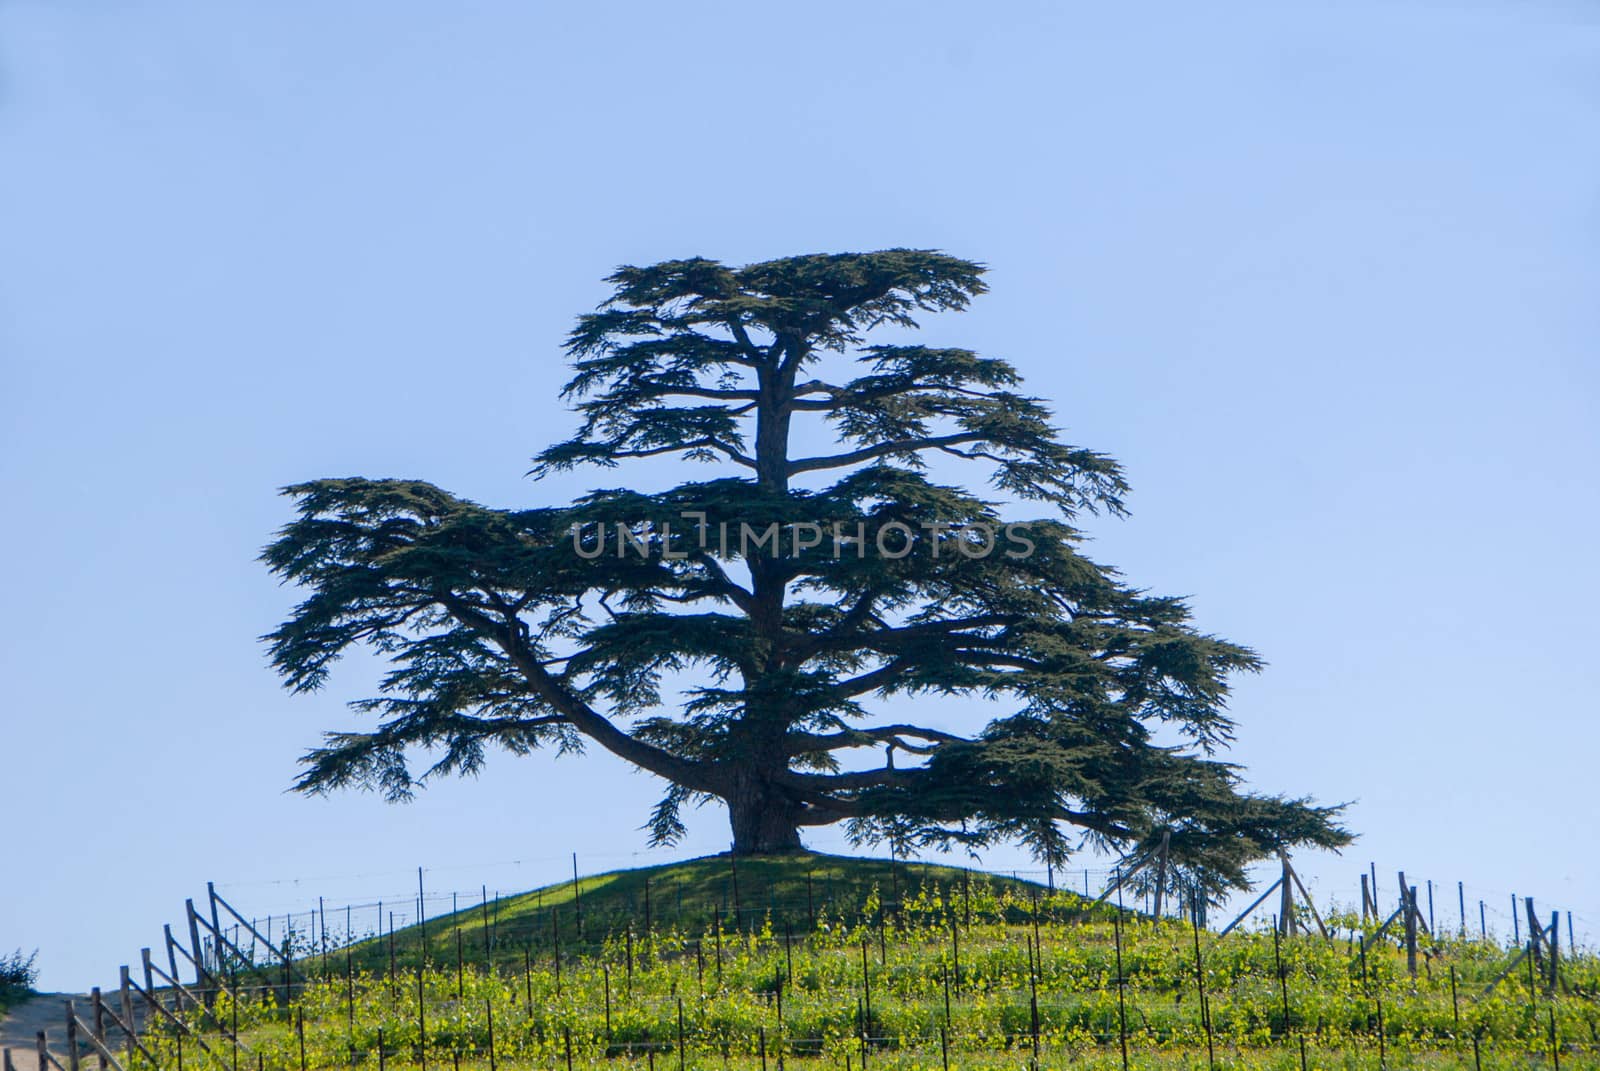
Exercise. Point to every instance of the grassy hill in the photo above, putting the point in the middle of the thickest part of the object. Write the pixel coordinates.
(817, 962)
(701, 895)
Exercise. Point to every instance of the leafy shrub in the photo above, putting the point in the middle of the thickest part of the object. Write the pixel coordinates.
(17, 975)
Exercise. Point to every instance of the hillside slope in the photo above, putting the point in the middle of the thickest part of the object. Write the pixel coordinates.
(821, 963)
(700, 895)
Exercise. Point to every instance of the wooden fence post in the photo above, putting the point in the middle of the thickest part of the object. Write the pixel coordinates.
(72, 1037)
(127, 1010)
(577, 896)
(1285, 899)
(1555, 951)
(1161, 875)
(1410, 895)
(172, 959)
(149, 975)
(1311, 905)
(99, 1005)
(1535, 934)
(197, 955)
(216, 923)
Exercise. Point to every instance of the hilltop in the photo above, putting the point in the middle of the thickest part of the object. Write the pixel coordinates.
(718, 892)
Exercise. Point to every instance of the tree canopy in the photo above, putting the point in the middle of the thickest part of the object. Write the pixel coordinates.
(762, 636)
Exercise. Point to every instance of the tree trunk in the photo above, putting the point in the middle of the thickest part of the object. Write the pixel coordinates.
(762, 823)
(763, 818)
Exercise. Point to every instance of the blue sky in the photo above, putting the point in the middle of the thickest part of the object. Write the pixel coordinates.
(1321, 275)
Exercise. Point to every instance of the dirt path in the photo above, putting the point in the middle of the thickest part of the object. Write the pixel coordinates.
(20, 1027)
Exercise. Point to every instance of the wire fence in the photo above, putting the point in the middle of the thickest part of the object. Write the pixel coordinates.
(664, 970)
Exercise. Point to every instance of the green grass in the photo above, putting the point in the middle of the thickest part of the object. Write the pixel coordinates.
(776, 968)
(696, 896)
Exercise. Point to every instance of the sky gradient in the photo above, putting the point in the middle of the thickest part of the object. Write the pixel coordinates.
(1323, 279)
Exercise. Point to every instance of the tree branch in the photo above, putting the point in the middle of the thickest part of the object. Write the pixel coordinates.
(898, 446)
(751, 350)
(649, 389)
(844, 397)
(692, 444)
(807, 743)
(883, 639)
(847, 782)
(579, 714)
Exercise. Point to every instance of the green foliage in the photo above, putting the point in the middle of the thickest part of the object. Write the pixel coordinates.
(755, 674)
(18, 973)
(1004, 949)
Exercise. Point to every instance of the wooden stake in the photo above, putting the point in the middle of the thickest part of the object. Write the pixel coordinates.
(680, 1034)
(1200, 986)
(1283, 980)
(955, 952)
(1555, 952)
(98, 1004)
(422, 1020)
(577, 896)
(1310, 903)
(1122, 1008)
(198, 957)
(866, 993)
(488, 949)
(488, 1007)
(127, 1012)
(1033, 1001)
(1253, 905)
(1286, 899)
(1411, 928)
(555, 948)
(1161, 871)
